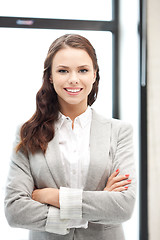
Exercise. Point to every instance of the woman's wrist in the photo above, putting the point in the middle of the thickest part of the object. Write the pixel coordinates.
(52, 197)
(48, 196)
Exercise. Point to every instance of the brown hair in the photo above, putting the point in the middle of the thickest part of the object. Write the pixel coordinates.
(39, 130)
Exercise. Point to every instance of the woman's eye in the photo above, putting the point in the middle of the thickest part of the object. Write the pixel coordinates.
(83, 70)
(62, 71)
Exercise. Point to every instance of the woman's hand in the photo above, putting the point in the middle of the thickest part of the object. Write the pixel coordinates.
(117, 183)
(47, 196)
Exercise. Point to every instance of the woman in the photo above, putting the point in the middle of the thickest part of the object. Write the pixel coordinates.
(72, 173)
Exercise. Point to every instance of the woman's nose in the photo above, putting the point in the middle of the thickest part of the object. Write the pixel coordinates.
(73, 78)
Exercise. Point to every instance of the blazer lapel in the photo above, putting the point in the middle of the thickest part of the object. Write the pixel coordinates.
(99, 151)
(99, 155)
(54, 162)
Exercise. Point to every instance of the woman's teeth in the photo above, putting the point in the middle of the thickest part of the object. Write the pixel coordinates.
(73, 90)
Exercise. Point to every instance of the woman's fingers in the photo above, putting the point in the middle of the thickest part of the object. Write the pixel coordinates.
(111, 179)
(114, 178)
(114, 174)
(117, 182)
(120, 184)
(120, 189)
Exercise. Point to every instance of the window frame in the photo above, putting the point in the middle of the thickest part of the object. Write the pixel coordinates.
(143, 165)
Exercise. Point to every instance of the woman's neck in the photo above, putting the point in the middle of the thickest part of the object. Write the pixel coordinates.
(72, 111)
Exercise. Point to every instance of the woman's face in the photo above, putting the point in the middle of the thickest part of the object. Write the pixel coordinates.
(73, 76)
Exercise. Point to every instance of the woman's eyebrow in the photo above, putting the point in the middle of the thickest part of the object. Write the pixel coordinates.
(81, 66)
(63, 66)
(84, 66)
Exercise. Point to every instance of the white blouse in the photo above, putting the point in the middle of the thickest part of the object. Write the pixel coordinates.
(75, 154)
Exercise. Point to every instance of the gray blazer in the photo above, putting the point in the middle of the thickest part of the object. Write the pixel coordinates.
(111, 147)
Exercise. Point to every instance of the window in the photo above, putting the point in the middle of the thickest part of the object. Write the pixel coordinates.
(71, 9)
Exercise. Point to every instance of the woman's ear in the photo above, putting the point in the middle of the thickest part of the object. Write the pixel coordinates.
(94, 76)
(50, 79)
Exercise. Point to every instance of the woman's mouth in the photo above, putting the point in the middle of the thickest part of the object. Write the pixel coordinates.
(73, 90)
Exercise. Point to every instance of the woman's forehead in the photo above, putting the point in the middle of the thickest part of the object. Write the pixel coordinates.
(74, 55)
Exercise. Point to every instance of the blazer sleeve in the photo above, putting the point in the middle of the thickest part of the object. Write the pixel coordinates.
(105, 207)
(20, 210)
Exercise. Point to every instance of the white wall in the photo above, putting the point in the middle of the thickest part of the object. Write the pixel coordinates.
(153, 81)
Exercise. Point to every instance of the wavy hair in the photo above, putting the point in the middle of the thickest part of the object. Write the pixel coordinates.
(39, 129)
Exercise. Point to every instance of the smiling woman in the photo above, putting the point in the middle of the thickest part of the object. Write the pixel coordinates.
(72, 76)
(30, 53)
(52, 96)
(71, 168)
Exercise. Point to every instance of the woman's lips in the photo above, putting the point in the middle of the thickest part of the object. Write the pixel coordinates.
(73, 90)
